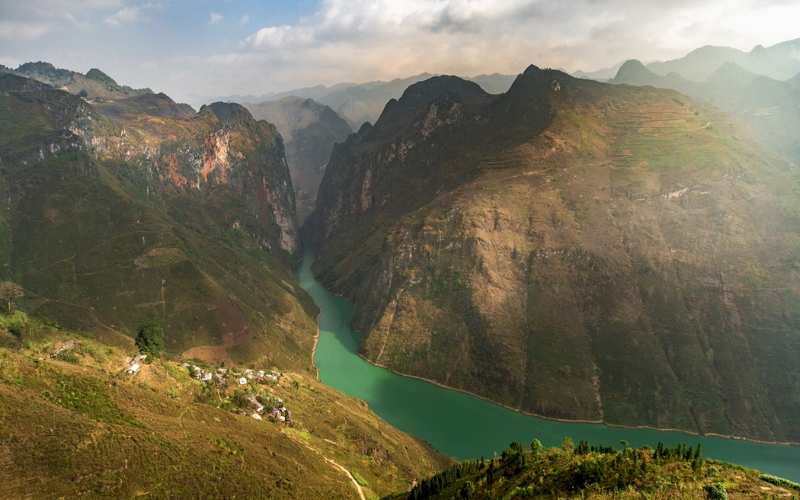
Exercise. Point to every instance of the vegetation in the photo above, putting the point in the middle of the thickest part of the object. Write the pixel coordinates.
(77, 425)
(10, 291)
(150, 339)
(597, 472)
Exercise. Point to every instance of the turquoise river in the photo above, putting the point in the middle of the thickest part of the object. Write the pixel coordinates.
(465, 426)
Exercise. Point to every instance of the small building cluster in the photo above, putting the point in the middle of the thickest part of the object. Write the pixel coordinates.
(220, 375)
(257, 406)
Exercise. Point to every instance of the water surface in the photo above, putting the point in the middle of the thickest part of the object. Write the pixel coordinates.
(464, 426)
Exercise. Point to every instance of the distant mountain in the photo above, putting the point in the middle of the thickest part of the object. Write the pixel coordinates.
(93, 85)
(572, 249)
(359, 103)
(495, 83)
(309, 131)
(600, 74)
(770, 108)
(780, 61)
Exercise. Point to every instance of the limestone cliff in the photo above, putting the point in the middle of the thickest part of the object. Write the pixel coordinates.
(123, 212)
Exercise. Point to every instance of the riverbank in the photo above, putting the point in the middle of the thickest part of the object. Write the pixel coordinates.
(466, 426)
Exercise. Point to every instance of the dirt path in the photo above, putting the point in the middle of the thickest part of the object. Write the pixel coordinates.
(336, 465)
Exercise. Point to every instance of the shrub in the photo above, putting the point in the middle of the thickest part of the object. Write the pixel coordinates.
(150, 339)
(715, 491)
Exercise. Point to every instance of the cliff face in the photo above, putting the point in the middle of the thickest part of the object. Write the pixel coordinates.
(309, 131)
(573, 249)
(136, 210)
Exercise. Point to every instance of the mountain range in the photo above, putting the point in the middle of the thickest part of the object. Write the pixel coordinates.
(359, 103)
(572, 249)
(770, 108)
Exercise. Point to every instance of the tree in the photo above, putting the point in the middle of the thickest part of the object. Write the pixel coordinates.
(9, 291)
(150, 339)
(536, 447)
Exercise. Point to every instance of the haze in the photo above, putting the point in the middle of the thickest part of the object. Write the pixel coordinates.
(191, 49)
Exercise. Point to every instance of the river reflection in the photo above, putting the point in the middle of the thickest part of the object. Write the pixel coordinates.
(465, 426)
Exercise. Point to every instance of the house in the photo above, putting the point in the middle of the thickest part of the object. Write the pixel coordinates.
(218, 380)
(133, 369)
(242, 381)
(254, 404)
(207, 376)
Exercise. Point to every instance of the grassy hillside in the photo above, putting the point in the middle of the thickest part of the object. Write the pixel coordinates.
(575, 250)
(135, 211)
(589, 472)
(77, 425)
(769, 108)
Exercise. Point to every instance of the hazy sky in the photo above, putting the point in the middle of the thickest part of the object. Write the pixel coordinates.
(190, 48)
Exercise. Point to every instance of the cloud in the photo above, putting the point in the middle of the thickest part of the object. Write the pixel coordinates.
(215, 18)
(126, 15)
(22, 31)
(244, 20)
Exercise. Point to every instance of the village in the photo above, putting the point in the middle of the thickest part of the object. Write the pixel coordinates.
(248, 386)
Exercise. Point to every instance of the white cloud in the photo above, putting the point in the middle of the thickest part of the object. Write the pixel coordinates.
(245, 19)
(10, 30)
(215, 18)
(126, 15)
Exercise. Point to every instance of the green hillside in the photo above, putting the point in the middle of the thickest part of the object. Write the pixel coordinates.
(74, 423)
(135, 211)
(601, 472)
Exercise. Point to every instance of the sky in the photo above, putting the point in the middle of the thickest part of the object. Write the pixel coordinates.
(191, 49)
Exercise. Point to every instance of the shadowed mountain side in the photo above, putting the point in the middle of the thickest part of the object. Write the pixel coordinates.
(135, 211)
(574, 249)
(309, 131)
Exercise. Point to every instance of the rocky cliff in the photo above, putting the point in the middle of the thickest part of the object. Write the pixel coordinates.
(573, 249)
(122, 212)
(309, 131)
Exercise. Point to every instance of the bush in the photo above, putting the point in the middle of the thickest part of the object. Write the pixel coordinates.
(716, 492)
(150, 339)
(360, 480)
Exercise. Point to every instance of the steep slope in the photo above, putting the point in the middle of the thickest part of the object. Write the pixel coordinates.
(309, 131)
(78, 425)
(770, 108)
(133, 211)
(574, 249)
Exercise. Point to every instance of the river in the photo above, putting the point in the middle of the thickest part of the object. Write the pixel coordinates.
(465, 426)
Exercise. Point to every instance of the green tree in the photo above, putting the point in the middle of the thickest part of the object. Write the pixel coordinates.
(9, 291)
(150, 339)
(536, 447)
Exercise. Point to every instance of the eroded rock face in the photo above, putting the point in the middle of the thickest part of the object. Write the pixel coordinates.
(221, 147)
(575, 250)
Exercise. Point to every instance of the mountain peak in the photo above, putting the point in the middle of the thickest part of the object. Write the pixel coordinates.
(98, 76)
(633, 72)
